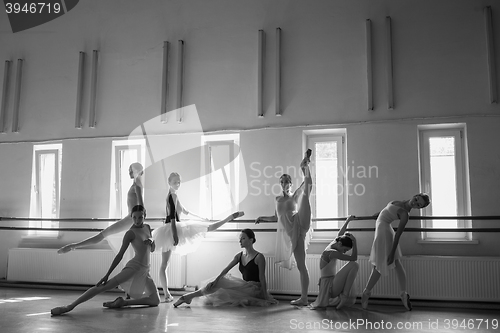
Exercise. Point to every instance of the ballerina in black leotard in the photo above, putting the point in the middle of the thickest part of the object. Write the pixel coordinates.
(226, 289)
(181, 237)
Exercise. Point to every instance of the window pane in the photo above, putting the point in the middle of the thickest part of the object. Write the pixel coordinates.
(47, 186)
(326, 172)
(220, 178)
(443, 180)
(127, 157)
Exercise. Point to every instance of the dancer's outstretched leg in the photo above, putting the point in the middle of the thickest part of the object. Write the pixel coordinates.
(119, 226)
(165, 260)
(215, 225)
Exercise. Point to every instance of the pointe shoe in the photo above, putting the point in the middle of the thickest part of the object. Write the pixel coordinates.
(405, 298)
(307, 158)
(65, 249)
(238, 214)
(343, 301)
(334, 301)
(119, 302)
(180, 301)
(299, 302)
(364, 299)
(59, 310)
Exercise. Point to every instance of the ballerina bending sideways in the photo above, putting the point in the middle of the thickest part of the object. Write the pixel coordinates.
(134, 277)
(134, 197)
(385, 253)
(336, 288)
(226, 289)
(182, 237)
(293, 214)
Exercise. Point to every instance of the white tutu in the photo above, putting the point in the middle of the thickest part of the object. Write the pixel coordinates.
(233, 291)
(190, 233)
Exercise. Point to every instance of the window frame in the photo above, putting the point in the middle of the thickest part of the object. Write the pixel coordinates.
(339, 136)
(458, 132)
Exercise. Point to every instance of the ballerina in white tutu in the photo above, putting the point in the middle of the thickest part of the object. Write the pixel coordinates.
(386, 254)
(337, 288)
(182, 237)
(134, 197)
(226, 289)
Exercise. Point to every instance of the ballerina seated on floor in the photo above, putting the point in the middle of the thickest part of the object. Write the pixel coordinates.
(134, 277)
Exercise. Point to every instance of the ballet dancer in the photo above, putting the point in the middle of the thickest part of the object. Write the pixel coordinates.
(226, 289)
(337, 288)
(293, 214)
(385, 253)
(134, 277)
(134, 197)
(182, 237)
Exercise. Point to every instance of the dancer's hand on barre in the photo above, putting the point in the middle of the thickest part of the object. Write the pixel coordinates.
(266, 219)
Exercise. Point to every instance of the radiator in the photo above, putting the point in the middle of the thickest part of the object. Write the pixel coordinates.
(84, 267)
(428, 278)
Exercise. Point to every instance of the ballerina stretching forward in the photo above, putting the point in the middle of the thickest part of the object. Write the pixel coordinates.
(134, 277)
(134, 197)
(182, 237)
(293, 214)
(226, 289)
(336, 288)
(386, 254)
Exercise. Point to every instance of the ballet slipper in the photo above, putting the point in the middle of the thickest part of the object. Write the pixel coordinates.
(405, 298)
(181, 300)
(299, 302)
(119, 302)
(59, 310)
(65, 249)
(364, 299)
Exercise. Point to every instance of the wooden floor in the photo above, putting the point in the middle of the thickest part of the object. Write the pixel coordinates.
(25, 310)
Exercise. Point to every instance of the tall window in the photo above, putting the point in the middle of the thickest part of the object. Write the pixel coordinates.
(46, 187)
(125, 152)
(445, 177)
(221, 165)
(328, 197)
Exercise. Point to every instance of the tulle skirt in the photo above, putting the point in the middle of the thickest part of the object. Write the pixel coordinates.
(234, 291)
(289, 233)
(382, 245)
(190, 233)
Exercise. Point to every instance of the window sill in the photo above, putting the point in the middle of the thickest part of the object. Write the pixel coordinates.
(451, 241)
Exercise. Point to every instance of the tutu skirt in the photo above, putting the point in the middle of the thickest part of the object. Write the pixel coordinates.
(190, 234)
(233, 291)
(136, 285)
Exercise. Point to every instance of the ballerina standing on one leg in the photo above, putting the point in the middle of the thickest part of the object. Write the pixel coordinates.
(182, 237)
(385, 253)
(134, 197)
(293, 214)
(337, 288)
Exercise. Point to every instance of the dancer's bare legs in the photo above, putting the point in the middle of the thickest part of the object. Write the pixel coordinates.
(165, 256)
(165, 260)
(304, 218)
(152, 300)
(119, 226)
(343, 282)
(124, 275)
(215, 225)
(372, 281)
